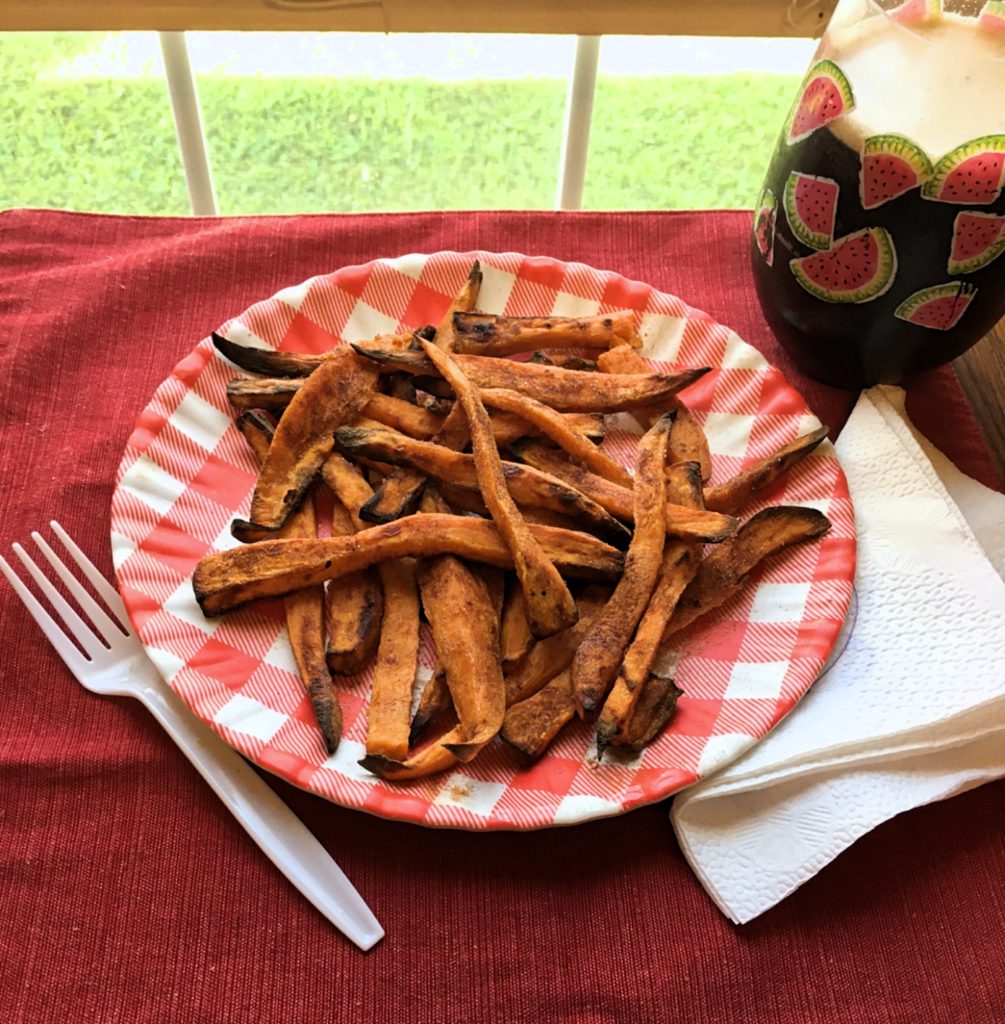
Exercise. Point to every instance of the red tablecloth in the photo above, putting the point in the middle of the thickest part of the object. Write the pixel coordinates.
(128, 894)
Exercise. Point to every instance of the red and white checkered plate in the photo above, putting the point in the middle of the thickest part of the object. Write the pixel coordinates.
(187, 472)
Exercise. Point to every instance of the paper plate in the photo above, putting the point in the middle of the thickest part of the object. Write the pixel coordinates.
(187, 472)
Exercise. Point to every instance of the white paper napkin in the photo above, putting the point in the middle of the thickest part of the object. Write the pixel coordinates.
(912, 706)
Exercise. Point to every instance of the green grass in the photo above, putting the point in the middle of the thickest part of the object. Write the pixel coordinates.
(313, 144)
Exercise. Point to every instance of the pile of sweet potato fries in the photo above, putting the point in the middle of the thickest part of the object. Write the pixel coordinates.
(470, 489)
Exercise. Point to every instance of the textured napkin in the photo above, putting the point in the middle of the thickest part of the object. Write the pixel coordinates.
(910, 709)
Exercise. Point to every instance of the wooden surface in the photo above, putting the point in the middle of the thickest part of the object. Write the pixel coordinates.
(567, 17)
(982, 375)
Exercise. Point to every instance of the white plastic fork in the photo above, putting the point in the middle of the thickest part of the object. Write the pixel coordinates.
(115, 664)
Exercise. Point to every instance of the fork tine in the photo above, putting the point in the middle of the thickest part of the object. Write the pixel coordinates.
(73, 659)
(78, 628)
(97, 579)
(108, 630)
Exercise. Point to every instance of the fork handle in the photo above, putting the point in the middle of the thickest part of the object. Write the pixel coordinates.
(284, 839)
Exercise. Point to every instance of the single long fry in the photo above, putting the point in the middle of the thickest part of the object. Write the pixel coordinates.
(680, 521)
(387, 724)
(465, 630)
(491, 335)
(741, 489)
(228, 579)
(334, 394)
(436, 699)
(564, 390)
(304, 608)
(687, 438)
(679, 565)
(596, 661)
(525, 486)
(724, 572)
(552, 424)
(550, 607)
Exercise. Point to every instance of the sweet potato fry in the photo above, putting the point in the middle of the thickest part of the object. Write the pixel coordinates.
(731, 496)
(465, 630)
(687, 438)
(404, 416)
(550, 607)
(272, 394)
(387, 724)
(435, 698)
(724, 572)
(304, 608)
(490, 335)
(564, 390)
(552, 424)
(597, 658)
(680, 521)
(678, 567)
(334, 394)
(228, 579)
(548, 657)
(530, 726)
(271, 363)
(525, 486)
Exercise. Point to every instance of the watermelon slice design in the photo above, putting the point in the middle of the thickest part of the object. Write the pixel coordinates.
(810, 208)
(939, 307)
(917, 12)
(972, 173)
(992, 17)
(891, 166)
(857, 268)
(826, 94)
(978, 238)
(764, 225)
